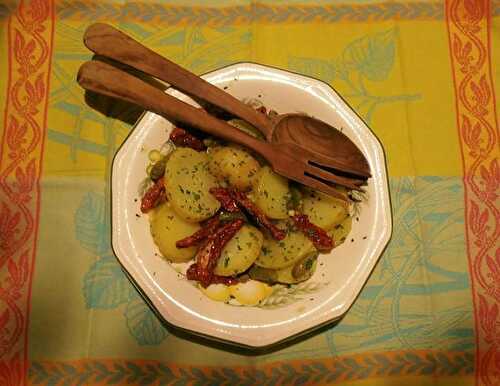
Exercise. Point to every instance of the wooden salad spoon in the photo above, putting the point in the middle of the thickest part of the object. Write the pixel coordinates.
(301, 130)
(287, 159)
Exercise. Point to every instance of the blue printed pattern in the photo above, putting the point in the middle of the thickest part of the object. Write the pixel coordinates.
(365, 60)
(419, 294)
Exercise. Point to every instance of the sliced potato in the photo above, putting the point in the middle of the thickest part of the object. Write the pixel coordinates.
(166, 228)
(234, 165)
(240, 252)
(271, 193)
(340, 231)
(323, 210)
(188, 181)
(300, 271)
(280, 254)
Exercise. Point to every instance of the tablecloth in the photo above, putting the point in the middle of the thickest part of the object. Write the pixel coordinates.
(423, 74)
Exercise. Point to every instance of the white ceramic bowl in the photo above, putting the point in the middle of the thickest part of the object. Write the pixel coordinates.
(291, 311)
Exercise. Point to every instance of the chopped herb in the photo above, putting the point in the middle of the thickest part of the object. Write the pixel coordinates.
(226, 262)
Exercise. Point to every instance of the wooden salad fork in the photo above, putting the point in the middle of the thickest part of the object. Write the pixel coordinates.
(301, 132)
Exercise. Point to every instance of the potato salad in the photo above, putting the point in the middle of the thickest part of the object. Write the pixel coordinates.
(240, 227)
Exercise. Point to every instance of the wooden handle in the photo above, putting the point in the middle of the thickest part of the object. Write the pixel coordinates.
(105, 79)
(106, 40)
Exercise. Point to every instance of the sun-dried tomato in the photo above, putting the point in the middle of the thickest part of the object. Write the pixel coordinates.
(262, 109)
(197, 274)
(317, 235)
(231, 200)
(181, 137)
(206, 230)
(242, 200)
(153, 196)
(225, 197)
(208, 254)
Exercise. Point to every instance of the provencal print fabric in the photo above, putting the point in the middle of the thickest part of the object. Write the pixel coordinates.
(424, 76)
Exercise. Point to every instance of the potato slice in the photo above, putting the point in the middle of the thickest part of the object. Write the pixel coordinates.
(166, 228)
(234, 165)
(240, 252)
(271, 193)
(323, 210)
(188, 181)
(340, 231)
(280, 254)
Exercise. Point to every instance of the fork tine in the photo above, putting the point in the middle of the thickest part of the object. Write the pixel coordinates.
(329, 176)
(323, 187)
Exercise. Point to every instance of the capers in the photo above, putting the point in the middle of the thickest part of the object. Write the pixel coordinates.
(154, 156)
(158, 169)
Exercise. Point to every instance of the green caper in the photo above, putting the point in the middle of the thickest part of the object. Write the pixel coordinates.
(158, 169)
(154, 156)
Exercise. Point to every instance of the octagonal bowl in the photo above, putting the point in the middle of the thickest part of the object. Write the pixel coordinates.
(289, 310)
